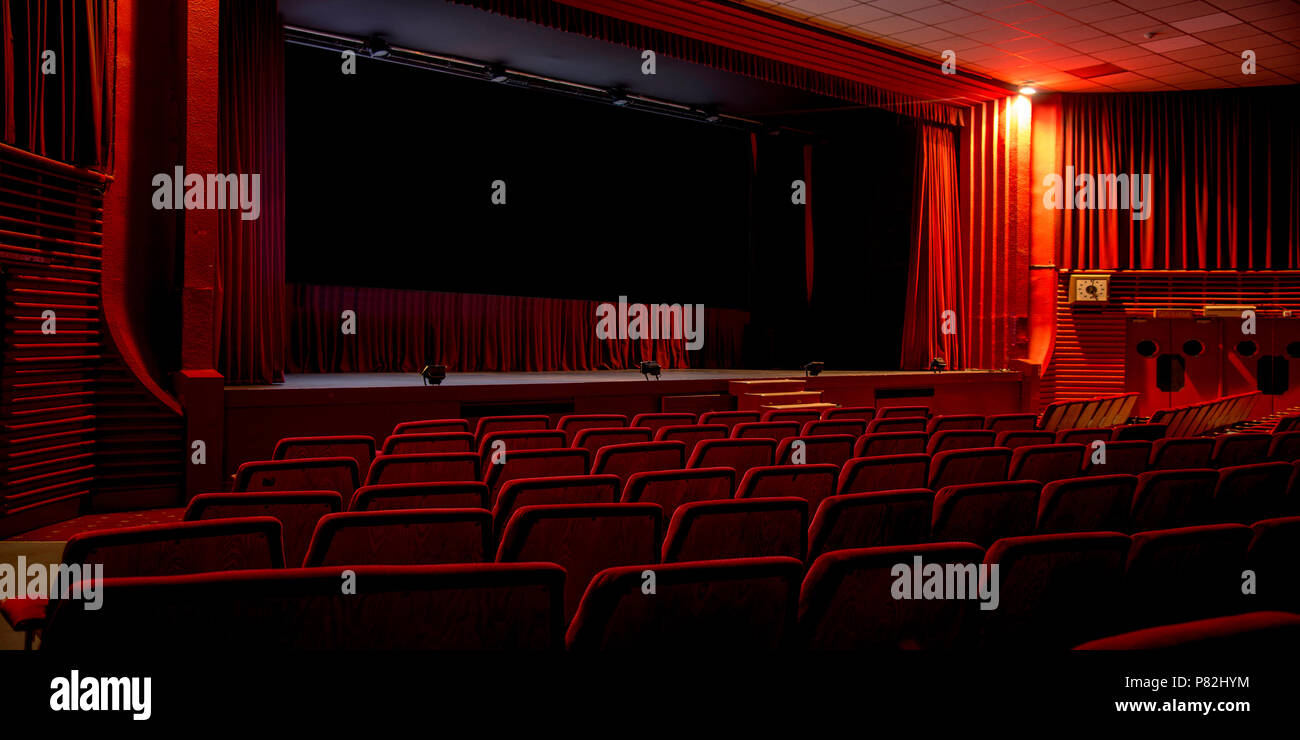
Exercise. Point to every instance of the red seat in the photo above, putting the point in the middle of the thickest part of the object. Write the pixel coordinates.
(658, 421)
(1046, 463)
(890, 443)
(496, 443)
(1055, 590)
(158, 549)
(946, 422)
(1176, 575)
(1120, 458)
(1149, 432)
(980, 465)
(573, 423)
(594, 439)
(431, 426)
(1253, 633)
(417, 537)
(536, 464)
(876, 519)
(1240, 449)
(1285, 447)
(672, 488)
(846, 601)
(883, 424)
(625, 459)
(337, 474)
(429, 442)
(729, 419)
(773, 430)
(811, 482)
(1013, 439)
(853, 427)
(1274, 555)
(1098, 503)
(1084, 436)
(1011, 422)
(690, 435)
(359, 447)
(985, 512)
(833, 449)
(738, 528)
(862, 413)
(1180, 453)
(895, 412)
(478, 606)
(1172, 498)
(1287, 424)
(797, 416)
(738, 454)
(960, 439)
(584, 539)
(1249, 493)
(297, 512)
(426, 468)
(745, 604)
(576, 489)
(489, 424)
(884, 473)
(445, 495)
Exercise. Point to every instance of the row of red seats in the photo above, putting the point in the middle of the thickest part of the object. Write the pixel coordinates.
(1053, 591)
(1206, 416)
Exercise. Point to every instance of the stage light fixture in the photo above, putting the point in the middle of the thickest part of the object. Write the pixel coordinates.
(1027, 90)
(497, 73)
(619, 97)
(650, 367)
(813, 369)
(377, 48)
(938, 365)
(434, 374)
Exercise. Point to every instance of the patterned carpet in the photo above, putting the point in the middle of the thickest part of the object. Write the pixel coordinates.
(61, 531)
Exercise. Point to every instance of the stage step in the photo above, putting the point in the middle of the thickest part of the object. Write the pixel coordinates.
(754, 401)
(739, 388)
(819, 406)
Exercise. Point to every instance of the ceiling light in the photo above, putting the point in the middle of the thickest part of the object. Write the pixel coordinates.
(1027, 90)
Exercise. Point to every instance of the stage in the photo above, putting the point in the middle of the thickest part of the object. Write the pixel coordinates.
(372, 403)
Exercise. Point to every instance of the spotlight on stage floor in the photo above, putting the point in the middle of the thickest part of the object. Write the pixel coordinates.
(434, 374)
(650, 367)
(813, 369)
(938, 365)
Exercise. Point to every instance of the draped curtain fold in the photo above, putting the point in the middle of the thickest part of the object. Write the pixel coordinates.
(56, 63)
(250, 269)
(933, 280)
(1225, 180)
(401, 330)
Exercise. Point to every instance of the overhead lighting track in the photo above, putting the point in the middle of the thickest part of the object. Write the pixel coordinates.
(380, 50)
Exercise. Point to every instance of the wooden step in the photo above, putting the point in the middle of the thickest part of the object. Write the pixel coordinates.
(753, 401)
(819, 406)
(739, 388)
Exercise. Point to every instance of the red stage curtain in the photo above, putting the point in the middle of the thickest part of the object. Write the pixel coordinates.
(401, 330)
(1226, 179)
(933, 281)
(250, 269)
(64, 115)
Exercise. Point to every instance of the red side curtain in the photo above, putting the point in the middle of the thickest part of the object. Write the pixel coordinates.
(250, 270)
(401, 330)
(934, 275)
(1225, 169)
(62, 113)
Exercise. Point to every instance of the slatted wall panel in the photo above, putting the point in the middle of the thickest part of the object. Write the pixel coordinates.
(1088, 357)
(50, 243)
(73, 422)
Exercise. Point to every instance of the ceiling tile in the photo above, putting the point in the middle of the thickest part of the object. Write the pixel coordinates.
(902, 6)
(1183, 11)
(819, 7)
(1100, 12)
(1134, 22)
(891, 25)
(1266, 10)
(938, 14)
(859, 13)
(921, 35)
(1175, 42)
(1205, 23)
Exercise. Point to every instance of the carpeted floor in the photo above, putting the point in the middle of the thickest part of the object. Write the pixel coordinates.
(61, 531)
